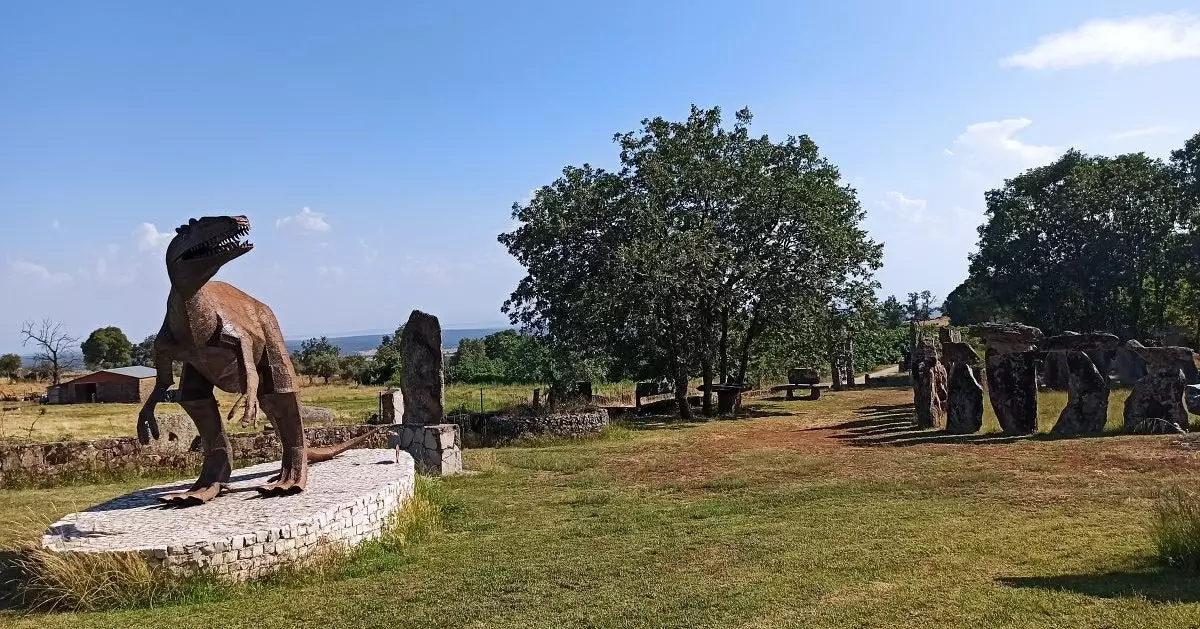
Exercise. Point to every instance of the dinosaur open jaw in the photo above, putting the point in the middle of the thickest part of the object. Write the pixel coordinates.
(226, 243)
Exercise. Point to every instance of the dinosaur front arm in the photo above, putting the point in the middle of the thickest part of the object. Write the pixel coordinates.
(147, 425)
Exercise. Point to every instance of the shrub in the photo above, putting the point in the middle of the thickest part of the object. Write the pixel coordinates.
(1176, 528)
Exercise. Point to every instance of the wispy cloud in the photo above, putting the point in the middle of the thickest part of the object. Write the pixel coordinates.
(1141, 132)
(32, 271)
(333, 272)
(150, 239)
(305, 220)
(1118, 43)
(54, 224)
(912, 210)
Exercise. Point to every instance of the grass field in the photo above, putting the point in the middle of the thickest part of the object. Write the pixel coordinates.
(351, 403)
(833, 513)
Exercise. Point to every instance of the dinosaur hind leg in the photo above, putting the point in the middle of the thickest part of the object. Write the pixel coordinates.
(196, 398)
(284, 411)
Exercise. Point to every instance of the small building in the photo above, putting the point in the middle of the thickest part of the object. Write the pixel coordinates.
(124, 384)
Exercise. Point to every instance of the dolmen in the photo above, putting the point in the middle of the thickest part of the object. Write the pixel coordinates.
(1156, 404)
(1011, 360)
(1086, 412)
(929, 387)
(964, 406)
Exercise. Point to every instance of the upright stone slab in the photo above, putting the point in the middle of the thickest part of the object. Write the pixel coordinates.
(929, 388)
(391, 406)
(1086, 412)
(1011, 374)
(422, 383)
(1156, 403)
(964, 406)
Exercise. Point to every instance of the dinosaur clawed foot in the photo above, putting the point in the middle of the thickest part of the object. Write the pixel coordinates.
(287, 482)
(195, 496)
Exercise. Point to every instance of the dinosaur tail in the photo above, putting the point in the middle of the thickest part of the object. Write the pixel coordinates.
(324, 453)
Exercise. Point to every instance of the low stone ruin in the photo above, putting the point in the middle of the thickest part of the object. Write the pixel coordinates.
(1157, 401)
(929, 387)
(1011, 374)
(1086, 412)
(964, 406)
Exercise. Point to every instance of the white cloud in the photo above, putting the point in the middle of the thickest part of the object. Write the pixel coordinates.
(1138, 133)
(38, 273)
(335, 272)
(305, 220)
(150, 239)
(998, 138)
(1116, 42)
(912, 210)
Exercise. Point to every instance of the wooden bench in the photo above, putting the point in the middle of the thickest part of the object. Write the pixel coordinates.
(814, 390)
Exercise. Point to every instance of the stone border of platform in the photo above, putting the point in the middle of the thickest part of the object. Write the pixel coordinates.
(436, 448)
(257, 553)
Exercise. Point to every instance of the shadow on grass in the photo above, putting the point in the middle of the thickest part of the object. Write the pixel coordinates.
(1156, 585)
(10, 572)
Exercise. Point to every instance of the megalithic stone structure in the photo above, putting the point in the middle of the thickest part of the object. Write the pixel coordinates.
(1156, 403)
(1011, 374)
(422, 382)
(1086, 412)
(964, 407)
(929, 387)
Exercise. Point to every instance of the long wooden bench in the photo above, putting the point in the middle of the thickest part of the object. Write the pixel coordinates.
(814, 390)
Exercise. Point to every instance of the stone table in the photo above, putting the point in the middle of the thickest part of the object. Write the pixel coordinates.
(1086, 412)
(1011, 373)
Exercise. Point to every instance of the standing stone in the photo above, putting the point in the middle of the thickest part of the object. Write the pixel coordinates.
(929, 388)
(422, 383)
(391, 406)
(1129, 366)
(1012, 374)
(1156, 403)
(964, 405)
(1086, 412)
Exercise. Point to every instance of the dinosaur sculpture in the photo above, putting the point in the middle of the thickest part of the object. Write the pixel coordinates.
(228, 340)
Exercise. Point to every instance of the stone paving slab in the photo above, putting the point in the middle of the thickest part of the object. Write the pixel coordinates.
(240, 533)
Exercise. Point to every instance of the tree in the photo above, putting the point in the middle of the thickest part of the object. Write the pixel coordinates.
(692, 255)
(324, 365)
(470, 363)
(53, 345)
(1086, 242)
(142, 354)
(317, 357)
(387, 362)
(10, 365)
(106, 348)
(353, 368)
(891, 312)
(970, 303)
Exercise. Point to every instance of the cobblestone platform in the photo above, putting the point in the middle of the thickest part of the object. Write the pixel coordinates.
(239, 533)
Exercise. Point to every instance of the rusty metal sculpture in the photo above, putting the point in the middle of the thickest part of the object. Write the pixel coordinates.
(228, 340)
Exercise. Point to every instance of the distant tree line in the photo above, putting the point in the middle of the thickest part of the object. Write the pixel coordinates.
(1091, 242)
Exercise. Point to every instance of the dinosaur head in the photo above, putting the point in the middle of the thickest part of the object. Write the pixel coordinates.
(202, 246)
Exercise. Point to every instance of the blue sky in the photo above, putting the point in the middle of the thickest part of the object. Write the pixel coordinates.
(378, 146)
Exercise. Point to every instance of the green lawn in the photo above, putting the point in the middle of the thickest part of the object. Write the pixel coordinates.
(830, 514)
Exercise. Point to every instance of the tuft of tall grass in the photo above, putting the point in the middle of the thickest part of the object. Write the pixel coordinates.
(1176, 528)
(44, 580)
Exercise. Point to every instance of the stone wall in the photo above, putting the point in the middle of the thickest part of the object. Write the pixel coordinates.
(502, 427)
(45, 460)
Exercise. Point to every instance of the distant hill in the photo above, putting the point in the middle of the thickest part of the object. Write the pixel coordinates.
(366, 342)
